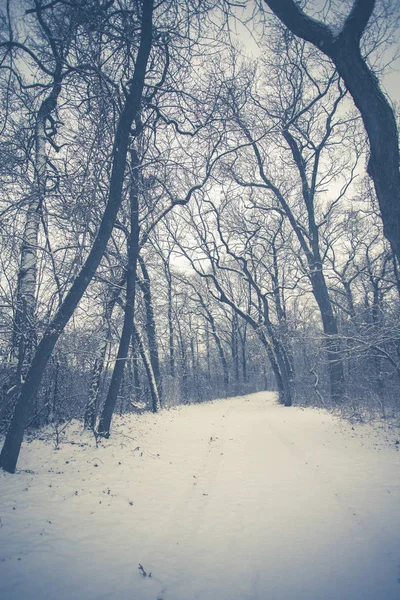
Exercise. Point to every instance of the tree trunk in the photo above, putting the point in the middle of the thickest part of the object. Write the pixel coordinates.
(208, 349)
(171, 347)
(243, 339)
(185, 368)
(275, 352)
(380, 124)
(279, 369)
(12, 445)
(221, 352)
(151, 326)
(333, 349)
(53, 408)
(24, 333)
(135, 365)
(235, 350)
(93, 398)
(155, 400)
(126, 334)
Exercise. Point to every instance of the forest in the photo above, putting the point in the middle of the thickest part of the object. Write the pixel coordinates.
(199, 199)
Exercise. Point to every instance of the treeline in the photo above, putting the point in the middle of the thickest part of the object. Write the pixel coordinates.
(181, 222)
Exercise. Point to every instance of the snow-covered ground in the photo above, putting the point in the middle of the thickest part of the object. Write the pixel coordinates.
(239, 499)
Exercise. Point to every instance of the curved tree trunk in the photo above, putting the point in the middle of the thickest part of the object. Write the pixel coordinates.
(381, 128)
(155, 400)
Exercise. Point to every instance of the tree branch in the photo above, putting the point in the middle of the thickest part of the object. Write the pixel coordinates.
(301, 24)
(357, 20)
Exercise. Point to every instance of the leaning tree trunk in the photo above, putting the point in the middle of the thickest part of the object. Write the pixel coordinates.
(126, 334)
(155, 399)
(279, 369)
(380, 124)
(12, 445)
(280, 364)
(377, 360)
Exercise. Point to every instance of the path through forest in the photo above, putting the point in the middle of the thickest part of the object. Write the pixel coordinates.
(239, 499)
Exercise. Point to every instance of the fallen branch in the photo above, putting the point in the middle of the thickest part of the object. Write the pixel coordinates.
(141, 569)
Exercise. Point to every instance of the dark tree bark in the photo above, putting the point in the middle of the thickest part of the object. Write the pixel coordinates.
(155, 400)
(243, 351)
(377, 114)
(135, 365)
(333, 348)
(208, 348)
(53, 404)
(218, 343)
(235, 349)
(280, 372)
(12, 445)
(93, 398)
(126, 334)
(150, 326)
(185, 366)
(316, 272)
(171, 346)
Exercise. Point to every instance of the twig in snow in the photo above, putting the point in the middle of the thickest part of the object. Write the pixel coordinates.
(95, 458)
(140, 567)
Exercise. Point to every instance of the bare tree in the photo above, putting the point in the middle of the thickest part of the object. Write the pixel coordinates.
(222, 264)
(343, 48)
(48, 59)
(12, 444)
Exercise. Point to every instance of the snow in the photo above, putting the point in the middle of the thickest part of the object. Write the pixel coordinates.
(237, 499)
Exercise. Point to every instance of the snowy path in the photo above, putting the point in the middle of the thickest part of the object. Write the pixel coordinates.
(239, 499)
